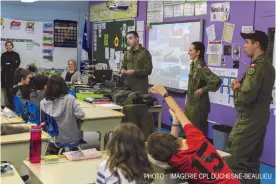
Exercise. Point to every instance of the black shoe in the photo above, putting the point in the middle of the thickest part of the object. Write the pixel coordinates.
(25, 177)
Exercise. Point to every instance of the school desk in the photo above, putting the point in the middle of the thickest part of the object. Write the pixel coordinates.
(12, 179)
(154, 109)
(71, 172)
(15, 120)
(15, 148)
(100, 119)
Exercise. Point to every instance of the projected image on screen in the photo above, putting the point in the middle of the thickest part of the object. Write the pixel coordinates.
(168, 45)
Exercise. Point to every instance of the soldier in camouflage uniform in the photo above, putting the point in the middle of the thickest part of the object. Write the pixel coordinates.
(137, 64)
(201, 81)
(252, 102)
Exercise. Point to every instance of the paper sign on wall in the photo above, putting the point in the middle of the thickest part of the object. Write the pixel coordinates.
(214, 47)
(106, 52)
(140, 26)
(214, 60)
(211, 32)
(247, 29)
(189, 9)
(220, 11)
(228, 31)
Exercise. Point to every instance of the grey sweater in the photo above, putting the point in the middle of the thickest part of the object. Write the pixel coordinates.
(65, 111)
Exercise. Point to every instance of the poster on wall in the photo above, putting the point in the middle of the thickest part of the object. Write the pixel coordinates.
(65, 33)
(48, 42)
(155, 11)
(220, 11)
(224, 95)
(26, 37)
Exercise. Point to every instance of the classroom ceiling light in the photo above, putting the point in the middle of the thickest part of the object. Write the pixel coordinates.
(28, 1)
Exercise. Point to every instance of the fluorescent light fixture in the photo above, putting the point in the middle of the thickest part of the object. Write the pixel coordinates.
(28, 1)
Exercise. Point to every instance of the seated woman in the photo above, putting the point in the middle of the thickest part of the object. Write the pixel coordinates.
(72, 75)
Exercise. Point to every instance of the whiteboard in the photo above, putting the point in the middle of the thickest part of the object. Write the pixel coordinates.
(168, 45)
(29, 45)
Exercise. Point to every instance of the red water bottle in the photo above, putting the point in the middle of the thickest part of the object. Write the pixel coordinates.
(35, 144)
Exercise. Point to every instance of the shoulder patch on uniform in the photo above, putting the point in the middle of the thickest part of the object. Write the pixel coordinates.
(251, 71)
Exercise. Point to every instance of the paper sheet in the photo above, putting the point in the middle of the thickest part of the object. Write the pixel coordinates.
(214, 60)
(168, 11)
(225, 81)
(155, 16)
(158, 5)
(117, 57)
(105, 40)
(214, 47)
(228, 31)
(178, 10)
(200, 8)
(141, 37)
(226, 90)
(211, 32)
(247, 29)
(112, 53)
(150, 6)
(189, 9)
(140, 26)
(106, 52)
(103, 25)
(131, 28)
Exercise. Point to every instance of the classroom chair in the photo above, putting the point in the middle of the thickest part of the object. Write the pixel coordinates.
(52, 130)
(18, 107)
(33, 113)
(72, 92)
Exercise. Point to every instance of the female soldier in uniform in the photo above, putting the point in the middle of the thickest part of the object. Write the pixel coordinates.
(201, 81)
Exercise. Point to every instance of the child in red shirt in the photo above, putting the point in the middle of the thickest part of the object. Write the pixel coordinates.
(194, 157)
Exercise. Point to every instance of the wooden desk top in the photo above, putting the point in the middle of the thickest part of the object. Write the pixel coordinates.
(100, 113)
(71, 172)
(9, 179)
(18, 138)
(16, 120)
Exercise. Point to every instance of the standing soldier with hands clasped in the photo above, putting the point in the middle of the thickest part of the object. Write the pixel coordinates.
(253, 95)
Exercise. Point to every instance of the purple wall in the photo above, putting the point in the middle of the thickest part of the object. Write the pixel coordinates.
(247, 13)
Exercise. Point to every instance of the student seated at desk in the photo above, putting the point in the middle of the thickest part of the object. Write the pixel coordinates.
(65, 109)
(22, 88)
(128, 162)
(40, 84)
(195, 156)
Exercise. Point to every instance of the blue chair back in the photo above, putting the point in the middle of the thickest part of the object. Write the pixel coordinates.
(72, 92)
(51, 125)
(18, 106)
(33, 113)
(52, 130)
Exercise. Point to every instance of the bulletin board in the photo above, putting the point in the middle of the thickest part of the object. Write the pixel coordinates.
(34, 42)
(110, 37)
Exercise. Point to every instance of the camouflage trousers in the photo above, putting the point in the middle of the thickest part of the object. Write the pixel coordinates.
(245, 144)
